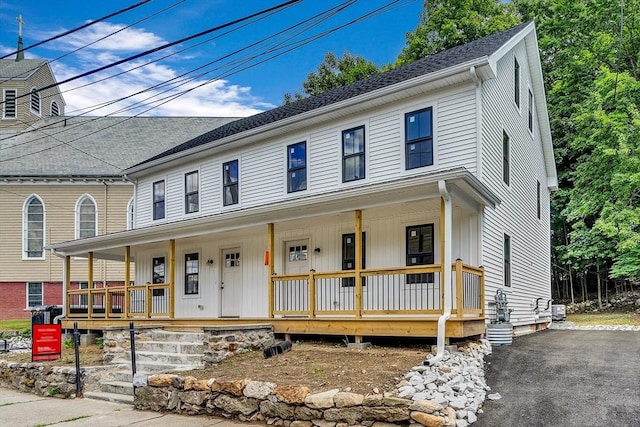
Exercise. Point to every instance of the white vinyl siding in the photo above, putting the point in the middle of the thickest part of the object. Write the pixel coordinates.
(456, 131)
(516, 214)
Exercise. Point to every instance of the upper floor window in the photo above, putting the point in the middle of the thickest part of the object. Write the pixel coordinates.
(86, 217)
(516, 82)
(230, 183)
(35, 101)
(191, 274)
(353, 154)
(33, 228)
(539, 199)
(9, 104)
(55, 110)
(507, 259)
(297, 167)
(505, 157)
(420, 251)
(158, 200)
(130, 214)
(530, 115)
(35, 294)
(191, 196)
(418, 138)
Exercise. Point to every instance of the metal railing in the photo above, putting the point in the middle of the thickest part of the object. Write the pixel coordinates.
(412, 290)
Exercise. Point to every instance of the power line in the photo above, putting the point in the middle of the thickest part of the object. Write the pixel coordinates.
(88, 24)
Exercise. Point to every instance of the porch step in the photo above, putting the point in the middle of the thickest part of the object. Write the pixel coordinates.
(178, 337)
(109, 397)
(160, 358)
(117, 387)
(170, 347)
(154, 368)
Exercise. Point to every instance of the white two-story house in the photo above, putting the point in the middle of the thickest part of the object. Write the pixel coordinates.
(374, 209)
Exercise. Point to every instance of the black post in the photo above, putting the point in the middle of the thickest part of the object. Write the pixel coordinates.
(76, 346)
(133, 348)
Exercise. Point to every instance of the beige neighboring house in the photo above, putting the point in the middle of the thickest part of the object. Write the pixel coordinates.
(61, 179)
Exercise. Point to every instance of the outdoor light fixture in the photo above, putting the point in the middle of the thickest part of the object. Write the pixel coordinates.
(316, 250)
(209, 261)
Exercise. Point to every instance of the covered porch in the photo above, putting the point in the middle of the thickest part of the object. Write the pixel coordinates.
(374, 291)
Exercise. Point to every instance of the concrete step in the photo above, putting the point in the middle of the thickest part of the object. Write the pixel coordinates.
(109, 397)
(151, 368)
(182, 337)
(123, 375)
(117, 387)
(168, 358)
(170, 347)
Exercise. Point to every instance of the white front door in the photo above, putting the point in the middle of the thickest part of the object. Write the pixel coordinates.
(231, 284)
(295, 293)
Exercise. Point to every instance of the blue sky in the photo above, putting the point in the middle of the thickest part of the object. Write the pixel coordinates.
(221, 92)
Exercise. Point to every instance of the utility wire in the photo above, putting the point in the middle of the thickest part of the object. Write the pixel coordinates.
(88, 24)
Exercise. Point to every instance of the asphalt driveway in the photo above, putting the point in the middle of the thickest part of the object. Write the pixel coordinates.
(565, 378)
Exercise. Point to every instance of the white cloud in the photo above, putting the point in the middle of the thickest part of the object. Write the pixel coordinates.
(128, 40)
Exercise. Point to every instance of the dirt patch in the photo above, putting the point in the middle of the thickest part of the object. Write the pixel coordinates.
(322, 366)
(90, 355)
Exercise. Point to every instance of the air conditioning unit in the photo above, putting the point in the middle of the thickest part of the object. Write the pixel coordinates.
(558, 312)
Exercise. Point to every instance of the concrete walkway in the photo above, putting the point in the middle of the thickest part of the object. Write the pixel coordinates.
(565, 378)
(27, 410)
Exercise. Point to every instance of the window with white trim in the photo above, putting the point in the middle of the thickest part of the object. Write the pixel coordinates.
(297, 167)
(9, 106)
(530, 114)
(35, 101)
(55, 110)
(158, 200)
(35, 294)
(353, 161)
(191, 274)
(418, 126)
(516, 82)
(191, 193)
(33, 228)
(506, 244)
(230, 183)
(86, 217)
(505, 158)
(130, 214)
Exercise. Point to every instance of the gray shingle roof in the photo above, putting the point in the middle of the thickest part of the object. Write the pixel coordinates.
(95, 146)
(10, 69)
(457, 55)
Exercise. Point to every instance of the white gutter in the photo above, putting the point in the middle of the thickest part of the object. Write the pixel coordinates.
(446, 262)
(65, 275)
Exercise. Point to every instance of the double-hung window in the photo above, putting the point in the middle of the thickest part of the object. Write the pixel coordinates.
(516, 82)
(420, 244)
(297, 167)
(33, 228)
(35, 294)
(9, 110)
(191, 197)
(507, 260)
(505, 158)
(191, 273)
(158, 200)
(353, 154)
(230, 183)
(86, 217)
(35, 101)
(418, 138)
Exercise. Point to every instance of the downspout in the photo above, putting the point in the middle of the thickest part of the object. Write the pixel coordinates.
(446, 262)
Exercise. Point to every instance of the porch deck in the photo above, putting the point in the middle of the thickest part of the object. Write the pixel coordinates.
(398, 302)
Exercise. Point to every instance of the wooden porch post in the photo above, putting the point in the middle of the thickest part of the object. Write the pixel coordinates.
(90, 285)
(127, 280)
(358, 266)
(270, 269)
(442, 266)
(172, 279)
(459, 304)
(67, 283)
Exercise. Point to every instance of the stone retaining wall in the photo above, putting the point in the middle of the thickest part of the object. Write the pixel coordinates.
(288, 406)
(40, 379)
(221, 342)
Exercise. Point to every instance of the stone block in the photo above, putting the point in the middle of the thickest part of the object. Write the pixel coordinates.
(359, 345)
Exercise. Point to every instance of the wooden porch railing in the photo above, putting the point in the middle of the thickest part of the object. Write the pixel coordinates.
(142, 301)
(386, 291)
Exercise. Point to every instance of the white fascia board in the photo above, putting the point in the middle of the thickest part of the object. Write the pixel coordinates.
(275, 126)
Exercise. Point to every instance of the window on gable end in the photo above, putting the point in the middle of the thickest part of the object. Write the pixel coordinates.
(353, 161)
(33, 228)
(297, 167)
(191, 193)
(516, 82)
(418, 138)
(35, 101)
(505, 158)
(530, 115)
(230, 183)
(55, 110)
(9, 110)
(158, 200)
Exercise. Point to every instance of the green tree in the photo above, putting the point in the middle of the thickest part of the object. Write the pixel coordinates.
(335, 72)
(450, 23)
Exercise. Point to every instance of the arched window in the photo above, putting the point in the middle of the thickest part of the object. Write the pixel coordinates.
(35, 101)
(33, 228)
(86, 217)
(130, 214)
(55, 110)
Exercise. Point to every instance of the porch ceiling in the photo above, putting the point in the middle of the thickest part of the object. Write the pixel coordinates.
(467, 191)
